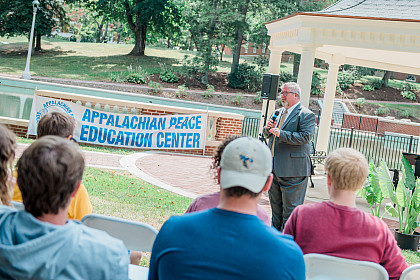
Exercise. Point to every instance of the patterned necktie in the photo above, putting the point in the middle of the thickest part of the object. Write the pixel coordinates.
(280, 124)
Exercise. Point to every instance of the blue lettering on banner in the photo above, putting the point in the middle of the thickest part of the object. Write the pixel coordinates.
(102, 117)
(95, 115)
(93, 134)
(126, 122)
(102, 135)
(83, 132)
(110, 121)
(153, 124)
(111, 133)
(132, 125)
(159, 142)
(86, 116)
(120, 138)
(117, 120)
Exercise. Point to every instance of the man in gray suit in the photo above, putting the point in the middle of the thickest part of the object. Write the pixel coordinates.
(292, 132)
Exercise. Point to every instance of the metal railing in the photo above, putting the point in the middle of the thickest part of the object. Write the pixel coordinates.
(375, 146)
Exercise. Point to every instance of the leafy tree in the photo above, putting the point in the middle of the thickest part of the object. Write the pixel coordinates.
(173, 24)
(17, 15)
(211, 26)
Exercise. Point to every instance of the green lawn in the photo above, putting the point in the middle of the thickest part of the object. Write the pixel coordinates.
(88, 61)
(413, 109)
(121, 194)
(411, 257)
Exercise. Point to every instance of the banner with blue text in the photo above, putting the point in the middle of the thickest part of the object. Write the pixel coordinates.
(125, 130)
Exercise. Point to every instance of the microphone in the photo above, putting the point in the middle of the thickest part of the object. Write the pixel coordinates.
(274, 117)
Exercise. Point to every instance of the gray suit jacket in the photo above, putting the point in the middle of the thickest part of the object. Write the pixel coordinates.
(292, 148)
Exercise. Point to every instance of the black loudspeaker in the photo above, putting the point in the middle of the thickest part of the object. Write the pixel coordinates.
(270, 86)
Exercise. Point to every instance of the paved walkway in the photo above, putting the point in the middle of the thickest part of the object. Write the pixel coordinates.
(190, 175)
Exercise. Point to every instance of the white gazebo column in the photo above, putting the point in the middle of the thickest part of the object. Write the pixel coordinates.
(273, 68)
(275, 60)
(305, 73)
(327, 108)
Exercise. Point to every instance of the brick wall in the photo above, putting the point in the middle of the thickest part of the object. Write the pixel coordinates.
(226, 127)
(380, 125)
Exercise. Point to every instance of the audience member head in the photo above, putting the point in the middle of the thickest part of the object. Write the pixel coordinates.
(245, 168)
(347, 169)
(218, 155)
(7, 155)
(49, 172)
(56, 123)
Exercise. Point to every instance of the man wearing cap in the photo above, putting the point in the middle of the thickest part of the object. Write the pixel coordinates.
(289, 139)
(229, 242)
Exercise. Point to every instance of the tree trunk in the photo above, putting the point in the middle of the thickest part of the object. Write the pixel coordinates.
(221, 52)
(296, 62)
(387, 76)
(169, 41)
(140, 41)
(105, 33)
(239, 36)
(99, 30)
(38, 42)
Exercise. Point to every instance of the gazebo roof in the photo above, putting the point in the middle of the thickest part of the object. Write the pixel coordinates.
(382, 34)
(389, 9)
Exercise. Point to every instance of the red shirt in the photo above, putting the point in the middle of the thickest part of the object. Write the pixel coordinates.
(345, 232)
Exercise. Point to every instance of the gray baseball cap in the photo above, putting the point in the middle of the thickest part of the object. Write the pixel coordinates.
(246, 162)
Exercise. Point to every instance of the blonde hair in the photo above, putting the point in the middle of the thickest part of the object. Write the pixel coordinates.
(347, 168)
(7, 155)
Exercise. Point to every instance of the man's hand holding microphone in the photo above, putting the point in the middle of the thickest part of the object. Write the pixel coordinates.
(272, 123)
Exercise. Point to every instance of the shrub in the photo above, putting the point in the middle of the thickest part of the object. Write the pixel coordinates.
(166, 74)
(381, 111)
(117, 77)
(238, 99)
(257, 98)
(367, 88)
(376, 83)
(360, 102)
(364, 71)
(316, 84)
(345, 79)
(135, 79)
(155, 87)
(409, 95)
(287, 77)
(405, 114)
(245, 77)
(137, 75)
(182, 91)
(404, 86)
(208, 93)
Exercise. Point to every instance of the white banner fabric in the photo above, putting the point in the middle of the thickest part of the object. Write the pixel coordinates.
(125, 130)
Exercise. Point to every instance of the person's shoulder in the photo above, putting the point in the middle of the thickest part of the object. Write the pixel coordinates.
(6, 210)
(93, 243)
(305, 110)
(310, 207)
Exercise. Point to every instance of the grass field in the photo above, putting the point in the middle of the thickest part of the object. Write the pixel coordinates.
(87, 61)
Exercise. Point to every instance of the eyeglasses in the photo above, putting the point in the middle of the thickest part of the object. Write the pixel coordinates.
(285, 93)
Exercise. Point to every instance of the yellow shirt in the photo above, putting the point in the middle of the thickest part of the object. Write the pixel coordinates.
(79, 206)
